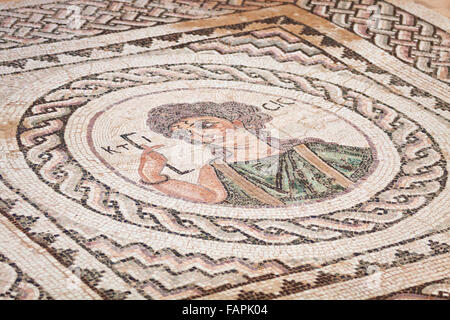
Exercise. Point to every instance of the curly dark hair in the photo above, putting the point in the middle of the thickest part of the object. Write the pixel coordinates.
(161, 118)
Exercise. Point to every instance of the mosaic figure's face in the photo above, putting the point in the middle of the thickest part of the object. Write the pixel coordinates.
(206, 129)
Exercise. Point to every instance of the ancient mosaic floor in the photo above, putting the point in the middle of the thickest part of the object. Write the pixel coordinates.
(224, 149)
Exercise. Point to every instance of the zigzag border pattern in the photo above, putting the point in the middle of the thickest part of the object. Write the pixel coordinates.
(401, 34)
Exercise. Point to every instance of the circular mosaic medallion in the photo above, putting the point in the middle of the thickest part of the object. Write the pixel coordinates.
(291, 131)
(217, 157)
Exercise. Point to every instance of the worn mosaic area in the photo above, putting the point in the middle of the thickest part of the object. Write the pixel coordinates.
(226, 149)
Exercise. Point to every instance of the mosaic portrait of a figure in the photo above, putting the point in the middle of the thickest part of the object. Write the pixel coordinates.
(274, 171)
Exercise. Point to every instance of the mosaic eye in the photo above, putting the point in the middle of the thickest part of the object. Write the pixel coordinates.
(207, 125)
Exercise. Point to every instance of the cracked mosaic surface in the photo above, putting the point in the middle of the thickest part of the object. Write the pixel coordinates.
(224, 149)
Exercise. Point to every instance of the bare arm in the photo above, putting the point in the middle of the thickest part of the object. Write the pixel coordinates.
(208, 189)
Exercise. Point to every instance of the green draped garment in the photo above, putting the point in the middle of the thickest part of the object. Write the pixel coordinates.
(291, 179)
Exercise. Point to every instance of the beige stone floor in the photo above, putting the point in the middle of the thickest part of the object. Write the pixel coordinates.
(349, 199)
(440, 6)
